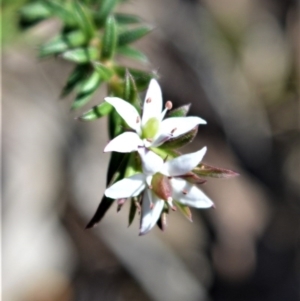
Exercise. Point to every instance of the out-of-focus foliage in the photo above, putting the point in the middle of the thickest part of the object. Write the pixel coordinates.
(91, 35)
(9, 20)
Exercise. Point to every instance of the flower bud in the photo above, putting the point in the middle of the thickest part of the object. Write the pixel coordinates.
(161, 186)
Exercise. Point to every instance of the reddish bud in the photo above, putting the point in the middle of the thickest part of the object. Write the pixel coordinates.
(161, 186)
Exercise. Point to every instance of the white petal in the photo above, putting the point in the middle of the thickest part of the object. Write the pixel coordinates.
(189, 194)
(150, 215)
(127, 111)
(153, 102)
(127, 187)
(176, 126)
(151, 162)
(183, 164)
(124, 143)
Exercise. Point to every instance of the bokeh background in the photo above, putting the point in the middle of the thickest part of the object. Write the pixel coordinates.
(237, 62)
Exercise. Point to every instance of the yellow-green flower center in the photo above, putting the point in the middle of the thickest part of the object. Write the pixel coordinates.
(150, 129)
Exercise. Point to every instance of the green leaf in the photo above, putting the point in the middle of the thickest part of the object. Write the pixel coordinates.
(33, 13)
(105, 72)
(132, 35)
(110, 37)
(179, 112)
(116, 167)
(185, 210)
(96, 112)
(61, 12)
(87, 90)
(105, 9)
(115, 124)
(115, 173)
(81, 55)
(132, 53)
(141, 78)
(124, 19)
(100, 212)
(62, 43)
(84, 20)
(130, 91)
(133, 165)
(205, 170)
(180, 141)
(78, 74)
(132, 211)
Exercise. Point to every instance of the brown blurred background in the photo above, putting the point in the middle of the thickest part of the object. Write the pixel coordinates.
(237, 62)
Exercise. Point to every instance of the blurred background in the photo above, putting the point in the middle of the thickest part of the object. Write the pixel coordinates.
(237, 62)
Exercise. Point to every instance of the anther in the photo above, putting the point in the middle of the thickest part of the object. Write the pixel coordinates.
(137, 119)
(148, 100)
(151, 206)
(172, 132)
(184, 192)
(169, 105)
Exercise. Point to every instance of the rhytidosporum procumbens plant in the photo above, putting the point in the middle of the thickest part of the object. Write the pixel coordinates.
(146, 168)
(157, 177)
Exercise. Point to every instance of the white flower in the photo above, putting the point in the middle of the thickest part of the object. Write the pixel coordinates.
(161, 183)
(150, 129)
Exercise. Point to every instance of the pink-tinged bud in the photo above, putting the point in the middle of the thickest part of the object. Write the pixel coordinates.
(120, 203)
(193, 178)
(161, 186)
(169, 105)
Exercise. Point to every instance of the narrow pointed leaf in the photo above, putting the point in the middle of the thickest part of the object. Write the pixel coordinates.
(132, 165)
(81, 55)
(180, 141)
(105, 72)
(115, 173)
(110, 38)
(33, 13)
(133, 35)
(77, 76)
(115, 124)
(61, 12)
(97, 112)
(185, 210)
(124, 19)
(130, 91)
(87, 90)
(132, 211)
(179, 112)
(105, 9)
(205, 170)
(141, 78)
(84, 20)
(62, 43)
(116, 167)
(132, 53)
(100, 212)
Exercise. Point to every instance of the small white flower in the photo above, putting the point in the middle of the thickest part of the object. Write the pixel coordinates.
(154, 198)
(150, 129)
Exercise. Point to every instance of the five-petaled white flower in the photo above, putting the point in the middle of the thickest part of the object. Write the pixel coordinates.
(161, 182)
(150, 129)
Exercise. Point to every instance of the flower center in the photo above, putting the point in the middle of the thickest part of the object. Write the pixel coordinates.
(150, 129)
